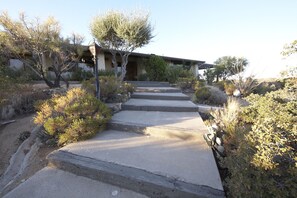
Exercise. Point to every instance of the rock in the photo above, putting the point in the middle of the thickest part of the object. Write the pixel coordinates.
(236, 93)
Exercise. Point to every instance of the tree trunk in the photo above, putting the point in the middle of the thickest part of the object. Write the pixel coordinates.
(124, 65)
(114, 63)
(66, 81)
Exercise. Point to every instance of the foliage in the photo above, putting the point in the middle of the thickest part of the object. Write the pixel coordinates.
(209, 94)
(290, 49)
(229, 88)
(245, 85)
(202, 94)
(209, 75)
(265, 87)
(142, 77)
(111, 88)
(186, 83)
(122, 33)
(32, 41)
(227, 120)
(228, 66)
(73, 117)
(261, 144)
(220, 85)
(289, 72)
(80, 74)
(104, 72)
(156, 68)
(174, 72)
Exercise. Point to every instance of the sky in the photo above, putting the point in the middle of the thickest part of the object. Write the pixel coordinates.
(193, 29)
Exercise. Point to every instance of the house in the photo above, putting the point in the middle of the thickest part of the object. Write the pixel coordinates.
(134, 67)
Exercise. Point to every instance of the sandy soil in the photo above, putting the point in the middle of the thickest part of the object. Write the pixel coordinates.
(9, 143)
(9, 135)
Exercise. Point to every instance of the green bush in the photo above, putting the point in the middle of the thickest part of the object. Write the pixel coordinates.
(80, 75)
(265, 87)
(209, 75)
(111, 88)
(174, 72)
(209, 94)
(142, 77)
(220, 85)
(261, 145)
(106, 73)
(202, 94)
(156, 68)
(72, 117)
(245, 85)
(229, 88)
(186, 82)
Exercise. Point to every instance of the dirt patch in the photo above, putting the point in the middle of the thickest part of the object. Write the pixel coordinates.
(9, 143)
(9, 138)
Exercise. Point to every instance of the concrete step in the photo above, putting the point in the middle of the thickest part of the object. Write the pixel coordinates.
(159, 105)
(149, 84)
(158, 89)
(182, 125)
(51, 182)
(155, 167)
(160, 96)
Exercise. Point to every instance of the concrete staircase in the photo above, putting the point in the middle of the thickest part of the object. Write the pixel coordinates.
(153, 148)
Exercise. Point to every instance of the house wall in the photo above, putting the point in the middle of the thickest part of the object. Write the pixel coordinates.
(195, 70)
(101, 61)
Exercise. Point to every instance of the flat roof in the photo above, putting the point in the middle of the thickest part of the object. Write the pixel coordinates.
(175, 60)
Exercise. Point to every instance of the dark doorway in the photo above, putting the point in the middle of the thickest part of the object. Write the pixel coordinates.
(131, 70)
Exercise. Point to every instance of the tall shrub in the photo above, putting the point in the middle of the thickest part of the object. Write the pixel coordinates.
(156, 67)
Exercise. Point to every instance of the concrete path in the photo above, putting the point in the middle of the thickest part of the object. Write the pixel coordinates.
(51, 182)
(155, 149)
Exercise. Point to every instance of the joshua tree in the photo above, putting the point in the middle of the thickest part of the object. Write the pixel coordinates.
(40, 46)
(122, 33)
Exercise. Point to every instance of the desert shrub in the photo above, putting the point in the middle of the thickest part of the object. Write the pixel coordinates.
(245, 85)
(198, 84)
(261, 145)
(220, 85)
(142, 77)
(156, 68)
(174, 72)
(185, 73)
(72, 117)
(106, 73)
(186, 82)
(229, 88)
(265, 87)
(79, 74)
(217, 97)
(111, 88)
(202, 94)
(209, 95)
(209, 75)
(227, 119)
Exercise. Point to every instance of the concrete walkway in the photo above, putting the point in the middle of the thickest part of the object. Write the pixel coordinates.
(153, 148)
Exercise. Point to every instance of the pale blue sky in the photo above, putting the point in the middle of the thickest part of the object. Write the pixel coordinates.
(194, 29)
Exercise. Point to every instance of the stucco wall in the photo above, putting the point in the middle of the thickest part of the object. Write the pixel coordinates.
(101, 61)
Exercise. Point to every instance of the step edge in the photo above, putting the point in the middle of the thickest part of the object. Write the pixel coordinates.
(134, 179)
(170, 131)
